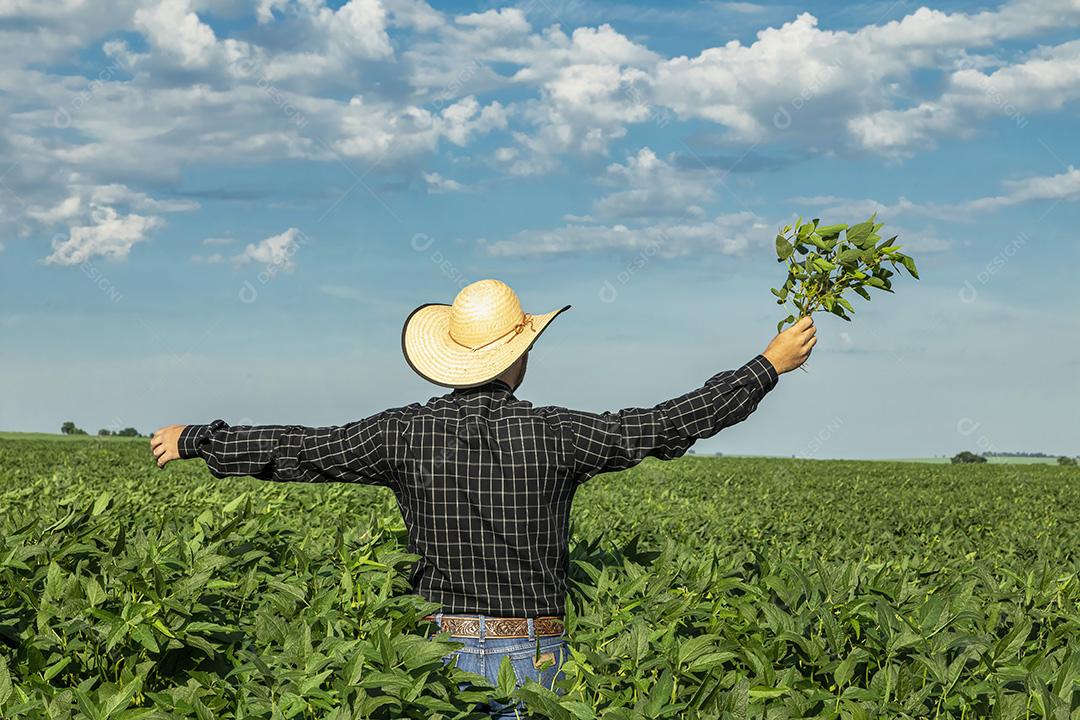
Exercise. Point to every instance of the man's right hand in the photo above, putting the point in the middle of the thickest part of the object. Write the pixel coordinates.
(789, 349)
(164, 443)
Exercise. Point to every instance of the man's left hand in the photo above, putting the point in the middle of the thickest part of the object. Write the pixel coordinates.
(164, 442)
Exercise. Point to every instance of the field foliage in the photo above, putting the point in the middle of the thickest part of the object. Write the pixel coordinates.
(703, 587)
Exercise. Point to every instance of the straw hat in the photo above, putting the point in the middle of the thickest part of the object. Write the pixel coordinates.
(471, 341)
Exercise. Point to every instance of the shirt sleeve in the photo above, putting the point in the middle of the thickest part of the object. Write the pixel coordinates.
(364, 451)
(610, 441)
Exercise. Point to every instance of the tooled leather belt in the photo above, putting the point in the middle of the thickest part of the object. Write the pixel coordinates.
(498, 627)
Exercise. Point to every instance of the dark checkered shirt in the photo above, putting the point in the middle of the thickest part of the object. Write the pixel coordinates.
(484, 480)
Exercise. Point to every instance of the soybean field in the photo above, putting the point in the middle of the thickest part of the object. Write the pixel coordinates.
(700, 588)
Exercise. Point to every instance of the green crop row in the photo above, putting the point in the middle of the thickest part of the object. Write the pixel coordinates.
(701, 588)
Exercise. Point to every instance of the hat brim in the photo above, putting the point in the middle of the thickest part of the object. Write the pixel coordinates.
(433, 354)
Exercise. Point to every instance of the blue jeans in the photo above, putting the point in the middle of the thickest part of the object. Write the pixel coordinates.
(529, 656)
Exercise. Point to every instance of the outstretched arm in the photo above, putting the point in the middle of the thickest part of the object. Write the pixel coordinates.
(610, 441)
(363, 451)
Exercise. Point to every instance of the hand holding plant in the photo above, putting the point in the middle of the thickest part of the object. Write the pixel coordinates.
(790, 349)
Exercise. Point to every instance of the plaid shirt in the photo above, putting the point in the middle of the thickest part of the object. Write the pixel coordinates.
(484, 480)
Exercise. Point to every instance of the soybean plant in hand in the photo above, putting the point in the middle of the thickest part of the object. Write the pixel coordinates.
(826, 261)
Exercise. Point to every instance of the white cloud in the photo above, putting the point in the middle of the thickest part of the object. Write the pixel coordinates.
(850, 210)
(174, 29)
(495, 23)
(833, 86)
(357, 29)
(264, 9)
(218, 240)
(1045, 81)
(314, 81)
(656, 187)
(742, 7)
(384, 133)
(1064, 186)
(102, 220)
(581, 110)
(328, 39)
(118, 194)
(437, 184)
(110, 235)
(33, 32)
(415, 14)
(241, 99)
(466, 118)
(65, 210)
(730, 234)
(584, 81)
(276, 251)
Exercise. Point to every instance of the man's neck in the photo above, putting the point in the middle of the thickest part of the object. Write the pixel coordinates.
(494, 382)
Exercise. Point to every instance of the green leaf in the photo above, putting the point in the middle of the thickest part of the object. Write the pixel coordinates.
(121, 698)
(507, 678)
(234, 503)
(121, 543)
(94, 594)
(55, 669)
(163, 629)
(849, 258)
(660, 694)
(101, 503)
(580, 710)
(860, 234)
(909, 265)
(846, 668)
(762, 691)
(143, 635)
(831, 232)
(784, 249)
(415, 653)
(5, 681)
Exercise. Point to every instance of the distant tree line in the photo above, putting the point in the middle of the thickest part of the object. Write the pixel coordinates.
(69, 428)
(967, 457)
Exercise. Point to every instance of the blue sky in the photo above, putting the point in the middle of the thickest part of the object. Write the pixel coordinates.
(227, 209)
